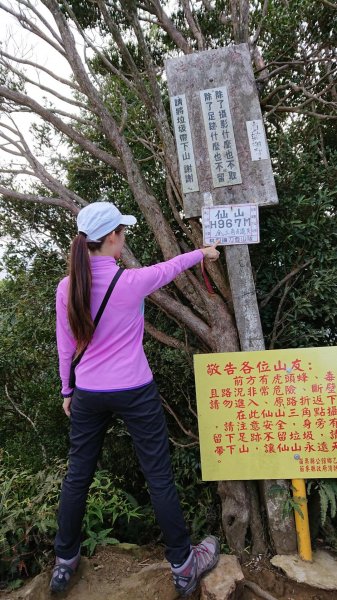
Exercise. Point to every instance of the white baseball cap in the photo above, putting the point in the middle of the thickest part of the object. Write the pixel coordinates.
(99, 218)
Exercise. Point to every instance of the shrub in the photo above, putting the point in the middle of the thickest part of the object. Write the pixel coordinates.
(28, 510)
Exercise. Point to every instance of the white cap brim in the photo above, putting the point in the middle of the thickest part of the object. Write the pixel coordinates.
(128, 220)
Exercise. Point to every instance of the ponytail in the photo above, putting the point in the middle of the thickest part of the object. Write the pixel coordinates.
(79, 315)
(79, 295)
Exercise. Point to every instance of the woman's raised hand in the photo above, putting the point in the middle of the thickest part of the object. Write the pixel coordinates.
(211, 252)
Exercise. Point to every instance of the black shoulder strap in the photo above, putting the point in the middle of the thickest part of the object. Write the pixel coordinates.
(107, 296)
(117, 275)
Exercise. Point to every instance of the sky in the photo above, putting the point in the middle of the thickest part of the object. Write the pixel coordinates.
(22, 43)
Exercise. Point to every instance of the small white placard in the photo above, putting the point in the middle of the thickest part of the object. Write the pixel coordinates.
(188, 171)
(257, 140)
(231, 224)
(221, 145)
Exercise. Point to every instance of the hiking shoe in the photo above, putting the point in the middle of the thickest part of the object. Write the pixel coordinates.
(62, 573)
(202, 559)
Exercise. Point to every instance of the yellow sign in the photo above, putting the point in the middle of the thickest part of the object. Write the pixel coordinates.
(268, 415)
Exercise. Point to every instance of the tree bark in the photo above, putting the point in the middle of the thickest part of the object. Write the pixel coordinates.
(281, 526)
(235, 505)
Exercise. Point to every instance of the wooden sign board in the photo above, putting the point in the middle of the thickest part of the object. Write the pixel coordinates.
(221, 142)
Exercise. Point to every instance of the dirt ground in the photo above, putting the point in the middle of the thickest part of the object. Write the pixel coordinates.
(273, 581)
(111, 565)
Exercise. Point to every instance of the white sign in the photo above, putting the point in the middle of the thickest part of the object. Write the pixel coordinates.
(220, 137)
(257, 140)
(188, 171)
(231, 224)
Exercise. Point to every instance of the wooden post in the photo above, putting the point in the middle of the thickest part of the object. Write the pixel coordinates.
(251, 338)
(244, 297)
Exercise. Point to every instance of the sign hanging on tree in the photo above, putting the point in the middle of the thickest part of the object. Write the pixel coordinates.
(231, 224)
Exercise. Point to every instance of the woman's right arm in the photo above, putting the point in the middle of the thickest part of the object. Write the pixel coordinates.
(150, 279)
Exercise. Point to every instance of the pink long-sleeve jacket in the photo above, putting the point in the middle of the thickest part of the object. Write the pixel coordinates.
(115, 358)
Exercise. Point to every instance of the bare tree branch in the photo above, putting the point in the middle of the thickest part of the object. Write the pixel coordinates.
(257, 33)
(296, 109)
(114, 30)
(277, 316)
(39, 67)
(30, 26)
(22, 99)
(42, 87)
(179, 445)
(17, 171)
(278, 320)
(308, 60)
(240, 20)
(155, 7)
(40, 17)
(165, 339)
(30, 421)
(280, 283)
(169, 409)
(47, 179)
(13, 195)
(154, 103)
(193, 24)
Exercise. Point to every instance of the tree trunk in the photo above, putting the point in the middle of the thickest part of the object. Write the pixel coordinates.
(235, 513)
(281, 525)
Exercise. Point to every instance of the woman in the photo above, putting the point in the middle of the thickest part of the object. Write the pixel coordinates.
(113, 376)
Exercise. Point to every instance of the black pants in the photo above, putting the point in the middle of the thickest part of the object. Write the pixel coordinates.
(142, 412)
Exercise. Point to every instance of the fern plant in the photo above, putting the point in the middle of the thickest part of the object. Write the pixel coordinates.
(289, 503)
(327, 490)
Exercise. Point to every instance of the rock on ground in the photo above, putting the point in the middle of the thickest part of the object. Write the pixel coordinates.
(223, 583)
(321, 573)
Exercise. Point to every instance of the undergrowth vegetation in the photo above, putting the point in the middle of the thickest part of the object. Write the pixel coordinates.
(29, 502)
(28, 516)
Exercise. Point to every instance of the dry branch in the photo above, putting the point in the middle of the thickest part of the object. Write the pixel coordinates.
(193, 24)
(30, 421)
(279, 284)
(26, 197)
(165, 339)
(187, 432)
